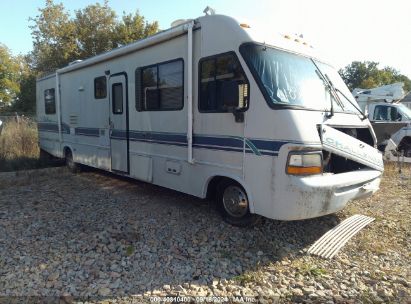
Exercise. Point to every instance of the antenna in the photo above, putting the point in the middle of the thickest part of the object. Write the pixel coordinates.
(209, 11)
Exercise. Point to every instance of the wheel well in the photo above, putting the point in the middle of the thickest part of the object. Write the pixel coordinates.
(213, 184)
(67, 150)
(405, 141)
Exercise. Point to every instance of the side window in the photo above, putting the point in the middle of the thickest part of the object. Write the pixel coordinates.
(117, 90)
(170, 85)
(150, 90)
(223, 84)
(387, 113)
(50, 101)
(381, 113)
(162, 87)
(394, 114)
(100, 87)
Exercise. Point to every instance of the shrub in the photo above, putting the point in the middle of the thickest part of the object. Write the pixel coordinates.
(19, 145)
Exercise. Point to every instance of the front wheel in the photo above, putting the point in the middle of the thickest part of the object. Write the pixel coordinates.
(234, 204)
(71, 165)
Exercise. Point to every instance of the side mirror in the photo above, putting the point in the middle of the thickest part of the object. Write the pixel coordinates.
(231, 99)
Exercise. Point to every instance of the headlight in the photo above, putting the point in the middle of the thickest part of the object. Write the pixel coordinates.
(304, 163)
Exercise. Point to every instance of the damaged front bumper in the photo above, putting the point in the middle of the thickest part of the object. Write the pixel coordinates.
(314, 196)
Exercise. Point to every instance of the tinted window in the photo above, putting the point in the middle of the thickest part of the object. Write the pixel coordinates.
(162, 87)
(150, 91)
(117, 91)
(100, 87)
(171, 85)
(50, 101)
(215, 75)
(387, 113)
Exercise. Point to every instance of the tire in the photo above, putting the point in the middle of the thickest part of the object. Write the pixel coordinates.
(233, 204)
(71, 165)
(405, 148)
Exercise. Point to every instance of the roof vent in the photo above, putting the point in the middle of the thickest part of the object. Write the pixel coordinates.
(209, 11)
(180, 22)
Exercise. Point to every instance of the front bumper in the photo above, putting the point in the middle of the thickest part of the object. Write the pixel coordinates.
(313, 196)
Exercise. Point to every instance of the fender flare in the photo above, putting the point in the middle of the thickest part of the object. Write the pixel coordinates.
(237, 179)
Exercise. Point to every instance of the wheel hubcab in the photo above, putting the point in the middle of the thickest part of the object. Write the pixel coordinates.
(235, 201)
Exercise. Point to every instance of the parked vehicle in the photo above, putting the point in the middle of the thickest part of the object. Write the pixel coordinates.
(211, 109)
(390, 117)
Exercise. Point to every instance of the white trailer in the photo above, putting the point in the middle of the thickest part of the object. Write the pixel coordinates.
(211, 109)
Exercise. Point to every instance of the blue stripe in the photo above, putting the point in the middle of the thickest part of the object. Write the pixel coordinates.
(227, 143)
(118, 134)
(95, 132)
(232, 144)
(268, 145)
(53, 127)
(218, 141)
(152, 136)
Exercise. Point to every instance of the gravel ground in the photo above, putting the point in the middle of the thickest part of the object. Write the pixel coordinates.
(102, 238)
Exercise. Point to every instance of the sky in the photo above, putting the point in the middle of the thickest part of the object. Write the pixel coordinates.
(375, 30)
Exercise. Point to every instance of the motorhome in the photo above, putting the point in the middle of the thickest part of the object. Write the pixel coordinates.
(212, 108)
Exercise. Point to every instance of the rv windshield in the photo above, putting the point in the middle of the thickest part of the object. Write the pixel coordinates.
(293, 80)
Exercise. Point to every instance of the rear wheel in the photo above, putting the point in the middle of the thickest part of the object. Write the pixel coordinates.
(71, 165)
(234, 204)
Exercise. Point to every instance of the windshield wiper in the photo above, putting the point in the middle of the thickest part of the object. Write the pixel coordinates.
(331, 88)
(352, 103)
(335, 91)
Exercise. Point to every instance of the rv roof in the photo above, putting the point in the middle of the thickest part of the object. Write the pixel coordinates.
(245, 34)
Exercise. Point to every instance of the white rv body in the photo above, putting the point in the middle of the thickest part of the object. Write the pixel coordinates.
(189, 150)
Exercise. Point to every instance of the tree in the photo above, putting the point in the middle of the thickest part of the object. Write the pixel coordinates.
(26, 99)
(59, 39)
(9, 77)
(54, 38)
(132, 28)
(95, 29)
(367, 75)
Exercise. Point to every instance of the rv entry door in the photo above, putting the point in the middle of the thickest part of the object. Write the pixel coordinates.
(119, 122)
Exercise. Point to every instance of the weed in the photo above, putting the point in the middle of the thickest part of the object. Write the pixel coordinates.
(245, 278)
(129, 250)
(307, 269)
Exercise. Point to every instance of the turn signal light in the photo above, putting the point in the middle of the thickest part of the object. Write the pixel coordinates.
(303, 170)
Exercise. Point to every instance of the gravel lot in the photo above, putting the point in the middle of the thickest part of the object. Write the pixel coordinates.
(103, 238)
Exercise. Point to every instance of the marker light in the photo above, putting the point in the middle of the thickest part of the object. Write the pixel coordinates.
(304, 163)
